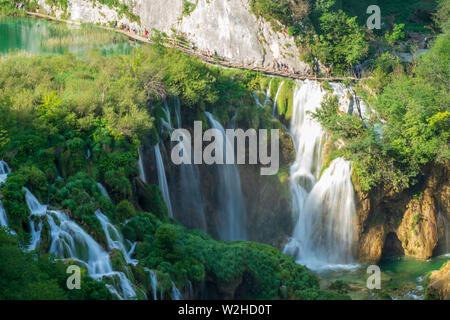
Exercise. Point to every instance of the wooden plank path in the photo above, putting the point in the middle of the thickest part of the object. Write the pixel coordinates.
(214, 60)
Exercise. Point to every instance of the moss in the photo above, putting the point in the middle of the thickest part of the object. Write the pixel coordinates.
(285, 100)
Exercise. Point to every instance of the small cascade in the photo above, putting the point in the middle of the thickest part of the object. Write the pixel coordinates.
(257, 102)
(88, 154)
(153, 283)
(4, 171)
(35, 235)
(3, 217)
(190, 290)
(267, 99)
(70, 241)
(141, 167)
(178, 112)
(162, 180)
(167, 123)
(103, 190)
(114, 238)
(275, 109)
(36, 208)
(232, 224)
(325, 210)
(176, 294)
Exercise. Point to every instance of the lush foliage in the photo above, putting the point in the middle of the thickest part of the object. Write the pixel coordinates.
(412, 127)
(24, 277)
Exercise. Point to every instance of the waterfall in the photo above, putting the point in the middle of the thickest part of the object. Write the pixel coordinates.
(103, 190)
(114, 238)
(274, 110)
(153, 283)
(3, 217)
(70, 241)
(162, 180)
(4, 170)
(324, 209)
(168, 124)
(141, 167)
(36, 208)
(230, 200)
(189, 199)
(35, 235)
(178, 112)
(176, 294)
(267, 99)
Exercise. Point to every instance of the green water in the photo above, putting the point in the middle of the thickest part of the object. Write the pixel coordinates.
(40, 36)
(402, 278)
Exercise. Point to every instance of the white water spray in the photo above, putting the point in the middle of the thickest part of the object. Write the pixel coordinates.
(325, 210)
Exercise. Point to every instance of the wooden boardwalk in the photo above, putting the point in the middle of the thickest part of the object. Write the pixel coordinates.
(214, 60)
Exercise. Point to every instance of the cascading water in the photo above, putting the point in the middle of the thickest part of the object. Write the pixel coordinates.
(4, 170)
(176, 294)
(154, 284)
(3, 217)
(232, 224)
(115, 239)
(162, 180)
(323, 235)
(267, 98)
(141, 167)
(103, 190)
(275, 109)
(70, 241)
(189, 199)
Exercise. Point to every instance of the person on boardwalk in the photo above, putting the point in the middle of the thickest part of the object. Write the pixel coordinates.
(315, 69)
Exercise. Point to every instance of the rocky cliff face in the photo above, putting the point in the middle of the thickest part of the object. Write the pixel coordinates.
(413, 223)
(438, 284)
(226, 26)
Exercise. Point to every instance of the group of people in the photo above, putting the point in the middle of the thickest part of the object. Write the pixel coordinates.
(210, 53)
(19, 5)
(124, 27)
(282, 67)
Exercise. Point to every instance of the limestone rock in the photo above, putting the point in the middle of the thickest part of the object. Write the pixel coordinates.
(439, 284)
(226, 26)
(418, 229)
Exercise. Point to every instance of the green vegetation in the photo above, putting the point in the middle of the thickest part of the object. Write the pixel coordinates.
(22, 277)
(415, 132)
(56, 107)
(188, 7)
(415, 14)
(192, 255)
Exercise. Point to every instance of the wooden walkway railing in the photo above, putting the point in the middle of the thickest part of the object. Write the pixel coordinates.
(210, 59)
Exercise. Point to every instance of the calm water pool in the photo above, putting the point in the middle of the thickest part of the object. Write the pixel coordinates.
(40, 36)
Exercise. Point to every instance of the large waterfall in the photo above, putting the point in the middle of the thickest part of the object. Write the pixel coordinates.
(324, 208)
(232, 224)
